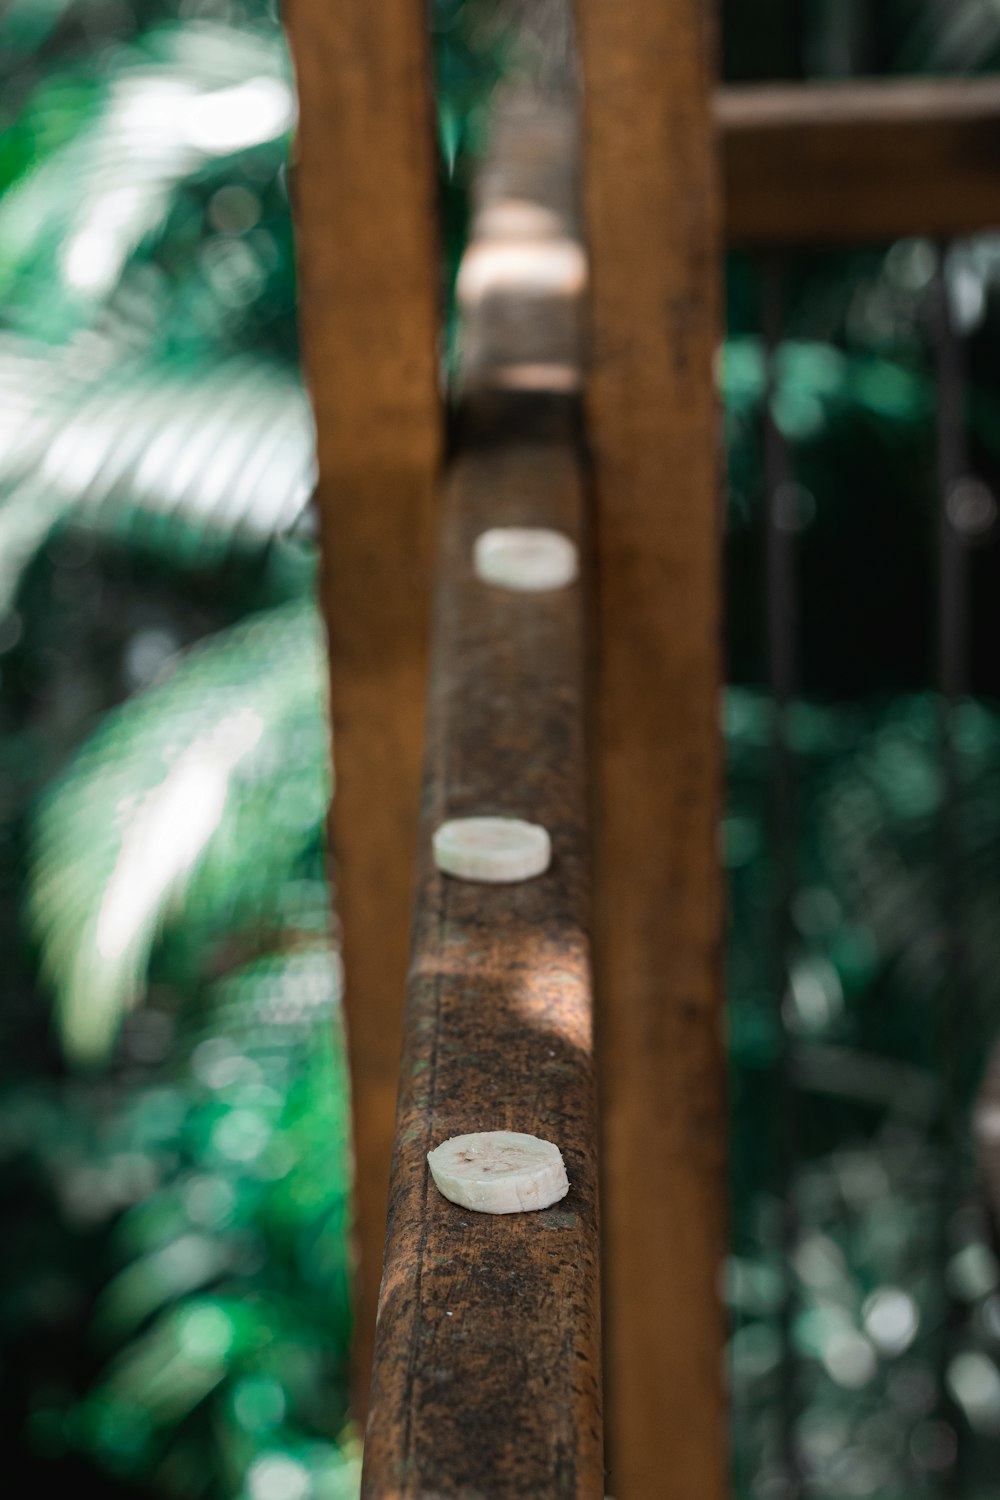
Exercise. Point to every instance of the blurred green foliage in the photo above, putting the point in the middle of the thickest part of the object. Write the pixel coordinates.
(173, 1106)
(174, 1316)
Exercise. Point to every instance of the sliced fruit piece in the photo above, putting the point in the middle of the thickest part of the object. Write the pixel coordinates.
(527, 559)
(496, 850)
(499, 1172)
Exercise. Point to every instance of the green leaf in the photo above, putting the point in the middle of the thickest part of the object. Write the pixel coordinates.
(191, 97)
(201, 796)
(202, 459)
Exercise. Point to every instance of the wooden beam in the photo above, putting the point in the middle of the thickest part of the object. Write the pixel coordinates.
(654, 233)
(487, 1358)
(854, 162)
(487, 1362)
(365, 194)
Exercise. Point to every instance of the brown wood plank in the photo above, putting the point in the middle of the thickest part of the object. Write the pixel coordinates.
(829, 163)
(654, 232)
(487, 1365)
(365, 193)
(487, 1358)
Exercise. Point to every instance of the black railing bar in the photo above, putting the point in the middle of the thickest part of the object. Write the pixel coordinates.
(783, 673)
(953, 469)
(952, 632)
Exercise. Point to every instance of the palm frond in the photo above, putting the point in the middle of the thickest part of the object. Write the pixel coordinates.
(203, 458)
(168, 809)
(184, 100)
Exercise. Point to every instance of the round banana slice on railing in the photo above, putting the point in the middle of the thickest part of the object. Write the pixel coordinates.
(499, 851)
(499, 1172)
(527, 559)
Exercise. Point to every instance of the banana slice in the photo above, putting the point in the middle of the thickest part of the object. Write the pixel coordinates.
(499, 1172)
(497, 850)
(527, 559)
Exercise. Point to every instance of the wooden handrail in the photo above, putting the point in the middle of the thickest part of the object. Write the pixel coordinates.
(859, 161)
(487, 1351)
(487, 1369)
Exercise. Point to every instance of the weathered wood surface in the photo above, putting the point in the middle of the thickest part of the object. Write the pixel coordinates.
(654, 226)
(366, 196)
(874, 161)
(487, 1375)
(487, 1363)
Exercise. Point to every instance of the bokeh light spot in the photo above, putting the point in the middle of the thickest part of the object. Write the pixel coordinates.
(205, 1333)
(276, 1476)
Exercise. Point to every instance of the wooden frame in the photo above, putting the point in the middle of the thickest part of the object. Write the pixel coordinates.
(501, 983)
(366, 198)
(369, 289)
(840, 162)
(654, 225)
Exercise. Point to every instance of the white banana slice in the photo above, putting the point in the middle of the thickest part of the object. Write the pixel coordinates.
(527, 559)
(499, 1172)
(497, 850)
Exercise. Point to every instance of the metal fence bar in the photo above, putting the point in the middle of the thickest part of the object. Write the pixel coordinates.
(953, 581)
(953, 469)
(783, 675)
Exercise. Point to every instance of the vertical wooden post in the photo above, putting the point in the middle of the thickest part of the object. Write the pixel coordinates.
(654, 231)
(365, 191)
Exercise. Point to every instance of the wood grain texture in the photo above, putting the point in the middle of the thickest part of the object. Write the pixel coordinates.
(653, 222)
(365, 195)
(834, 163)
(487, 1359)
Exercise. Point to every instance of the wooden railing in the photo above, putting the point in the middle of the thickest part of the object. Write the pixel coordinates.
(487, 1355)
(594, 711)
(826, 164)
